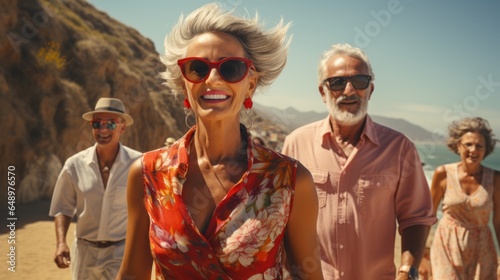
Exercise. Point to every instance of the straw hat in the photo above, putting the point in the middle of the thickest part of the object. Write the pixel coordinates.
(109, 105)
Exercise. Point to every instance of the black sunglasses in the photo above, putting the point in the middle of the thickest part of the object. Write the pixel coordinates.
(339, 83)
(111, 125)
(230, 69)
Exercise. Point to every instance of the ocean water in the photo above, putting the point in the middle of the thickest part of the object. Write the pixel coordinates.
(436, 154)
(433, 155)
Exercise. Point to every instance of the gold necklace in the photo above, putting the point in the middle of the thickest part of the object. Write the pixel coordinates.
(212, 170)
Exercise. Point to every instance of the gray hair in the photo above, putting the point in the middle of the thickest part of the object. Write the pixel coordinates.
(342, 49)
(266, 49)
(460, 127)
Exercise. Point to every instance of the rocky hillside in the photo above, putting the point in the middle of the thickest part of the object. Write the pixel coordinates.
(57, 58)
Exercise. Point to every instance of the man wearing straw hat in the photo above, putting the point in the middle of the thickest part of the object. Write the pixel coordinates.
(92, 186)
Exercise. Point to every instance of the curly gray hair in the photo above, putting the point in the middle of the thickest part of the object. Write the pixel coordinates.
(266, 49)
(460, 127)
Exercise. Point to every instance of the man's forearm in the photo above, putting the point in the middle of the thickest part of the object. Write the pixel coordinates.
(413, 241)
(62, 225)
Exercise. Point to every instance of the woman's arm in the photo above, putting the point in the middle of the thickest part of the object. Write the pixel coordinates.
(137, 261)
(496, 210)
(438, 187)
(301, 236)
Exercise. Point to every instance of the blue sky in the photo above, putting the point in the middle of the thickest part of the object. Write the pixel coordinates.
(434, 61)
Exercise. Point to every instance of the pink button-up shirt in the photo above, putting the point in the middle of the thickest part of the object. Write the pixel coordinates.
(363, 197)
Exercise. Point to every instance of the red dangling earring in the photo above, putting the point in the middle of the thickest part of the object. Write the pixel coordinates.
(186, 104)
(248, 103)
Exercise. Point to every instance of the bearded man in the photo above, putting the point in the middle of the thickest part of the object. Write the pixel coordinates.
(368, 177)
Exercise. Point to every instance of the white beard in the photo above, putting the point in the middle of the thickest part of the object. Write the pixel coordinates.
(345, 117)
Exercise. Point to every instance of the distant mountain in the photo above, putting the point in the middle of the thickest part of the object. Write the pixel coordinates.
(413, 131)
(290, 118)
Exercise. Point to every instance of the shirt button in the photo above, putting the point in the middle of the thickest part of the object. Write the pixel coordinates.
(378, 184)
(342, 273)
(341, 221)
(209, 256)
(341, 246)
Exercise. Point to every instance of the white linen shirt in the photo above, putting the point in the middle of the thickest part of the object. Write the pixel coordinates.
(102, 213)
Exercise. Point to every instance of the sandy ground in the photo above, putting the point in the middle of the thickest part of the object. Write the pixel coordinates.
(35, 244)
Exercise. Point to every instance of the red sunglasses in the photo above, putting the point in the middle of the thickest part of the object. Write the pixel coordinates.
(230, 69)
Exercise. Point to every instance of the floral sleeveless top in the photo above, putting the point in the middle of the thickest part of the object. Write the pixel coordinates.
(244, 239)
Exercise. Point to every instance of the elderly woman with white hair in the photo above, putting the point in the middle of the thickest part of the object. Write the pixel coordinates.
(214, 205)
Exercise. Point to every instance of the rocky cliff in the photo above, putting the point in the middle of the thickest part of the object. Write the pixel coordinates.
(57, 58)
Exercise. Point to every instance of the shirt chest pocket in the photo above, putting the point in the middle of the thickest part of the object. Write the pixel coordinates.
(320, 179)
(377, 182)
(373, 190)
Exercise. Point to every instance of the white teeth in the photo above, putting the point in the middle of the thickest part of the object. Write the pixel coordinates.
(215, 96)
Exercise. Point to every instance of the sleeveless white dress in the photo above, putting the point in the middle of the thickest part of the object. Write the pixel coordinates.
(463, 246)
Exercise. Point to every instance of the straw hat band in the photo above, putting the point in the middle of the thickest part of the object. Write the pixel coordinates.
(109, 105)
(109, 109)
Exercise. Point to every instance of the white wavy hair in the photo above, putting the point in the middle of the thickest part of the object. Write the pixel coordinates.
(342, 49)
(266, 49)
